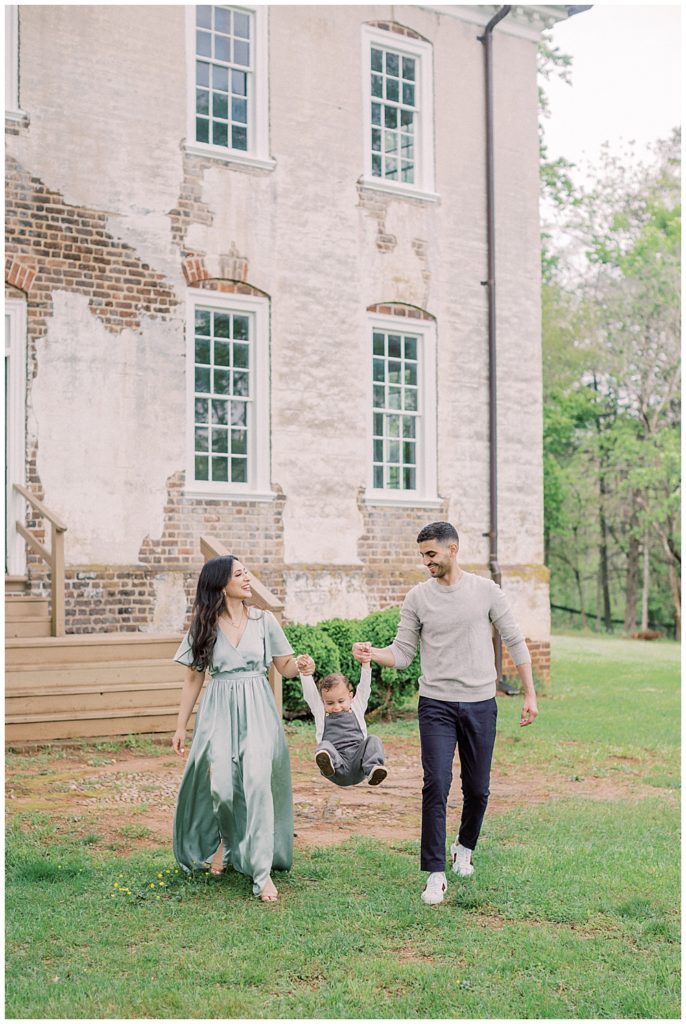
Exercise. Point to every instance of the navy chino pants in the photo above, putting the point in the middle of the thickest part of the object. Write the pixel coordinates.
(443, 725)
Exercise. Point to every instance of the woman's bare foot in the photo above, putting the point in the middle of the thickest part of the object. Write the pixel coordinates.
(217, 865)
(269, 894)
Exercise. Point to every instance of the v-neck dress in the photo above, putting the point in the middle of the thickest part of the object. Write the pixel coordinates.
(236, 786)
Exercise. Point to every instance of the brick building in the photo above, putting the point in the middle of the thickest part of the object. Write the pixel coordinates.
(245, 254)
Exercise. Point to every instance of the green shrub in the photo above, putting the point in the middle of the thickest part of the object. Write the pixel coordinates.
(344, 633)
(313, 641)
(390, 686)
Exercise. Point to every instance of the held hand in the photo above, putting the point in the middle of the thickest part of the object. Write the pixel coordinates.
(178, 741)
(306, 665)
(362, 652)
(529, 711)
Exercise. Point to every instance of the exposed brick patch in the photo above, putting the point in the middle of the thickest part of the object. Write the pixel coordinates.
(190, 208)
(20, 272)
(70, 249)
(194, 269)
(400, 309)
(401, 30)
(230, 287)
(540, 660)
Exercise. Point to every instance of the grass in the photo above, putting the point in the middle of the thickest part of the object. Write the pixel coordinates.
(572, 913)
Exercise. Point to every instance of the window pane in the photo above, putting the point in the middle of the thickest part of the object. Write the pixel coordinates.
(378, 477)
(202, 130)
(220, 105)
(406, 118)
(220, 78)
(390, 116)
(202, 101)
(222, 325)
(407, 172)
(239, 471)
(378, 343)
(241, 52)
(202, 321)
(220, 440)
(392, 89)
(222, 48)
(377, 85)
(239, 442)
(409, 426)
(239, 110)
(410, 348)
(410, 399)
(239, 137)
(394, 346)
(222, 382)
(241, 383)
(241, 325)
(394, 372)
(241, 25)
(379, 397)
(377, 60)
(409, 453)
(222, 20)
(408, 94)
(203, 16)
(202, 379)
(376, 113)
(411, 373)
(202, 471)
(379, 371)
(220, 412)
(203, 44)
(202, 350)
(391, 169)
(390, 142)
(202, 410)
(376, 165)
(378, 424)
(239, 414)
(219, 134)
(393, 426)
(201, 439)
(409, 479)
(378, 450)
(393, 451)
(239, 83)
(220, 469)
(376, 139)
(394, 398)
(222, 353)
(392, 64)
(241, 356)
(394, 477)
(202, 73)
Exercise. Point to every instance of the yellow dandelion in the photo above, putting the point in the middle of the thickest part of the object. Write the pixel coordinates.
(168, 871)
(116, 885)
(162, 885)
(156, 897)
(152, 885)
(159, 874)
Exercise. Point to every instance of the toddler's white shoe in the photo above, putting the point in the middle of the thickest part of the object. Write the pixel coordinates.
(377, 775)
(462, 860)
(435, 888)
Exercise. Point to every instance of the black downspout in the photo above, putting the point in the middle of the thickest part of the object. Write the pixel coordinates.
(487, 40)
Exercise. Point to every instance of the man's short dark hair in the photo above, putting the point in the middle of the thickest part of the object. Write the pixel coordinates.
(444, 533)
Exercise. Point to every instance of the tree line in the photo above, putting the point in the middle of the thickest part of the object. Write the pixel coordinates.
(611, 383)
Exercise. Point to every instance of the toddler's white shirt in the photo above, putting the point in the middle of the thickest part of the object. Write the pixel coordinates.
(359, 704)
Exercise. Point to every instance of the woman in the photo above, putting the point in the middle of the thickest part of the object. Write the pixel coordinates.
(236, 787)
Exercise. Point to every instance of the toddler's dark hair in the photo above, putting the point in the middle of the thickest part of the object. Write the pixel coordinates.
(328, 682)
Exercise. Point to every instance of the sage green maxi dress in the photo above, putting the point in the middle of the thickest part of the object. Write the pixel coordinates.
(236, 786)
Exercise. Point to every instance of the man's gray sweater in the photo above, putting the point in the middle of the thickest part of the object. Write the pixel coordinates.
(454, 627)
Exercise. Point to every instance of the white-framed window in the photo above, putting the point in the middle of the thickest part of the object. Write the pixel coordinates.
(398, 113)
(228, 396)
(15, 432)
(12, 62)
(228, 83)
(402, 441)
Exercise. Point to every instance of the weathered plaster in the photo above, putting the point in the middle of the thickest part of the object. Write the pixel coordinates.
(107, 413)
(170, 603)
(342, 594)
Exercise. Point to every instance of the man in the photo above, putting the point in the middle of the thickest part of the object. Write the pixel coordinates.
(451, 615)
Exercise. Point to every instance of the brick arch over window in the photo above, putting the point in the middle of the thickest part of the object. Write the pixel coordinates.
(232, 279)
(400, 309)
(20, 272)
(400, 30)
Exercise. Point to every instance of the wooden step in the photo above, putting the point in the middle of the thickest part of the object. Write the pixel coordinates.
(24, 729)
(24, 606)
(47, 678)
(28, 628)
(16, 585)
(106, 647)
(73, 703)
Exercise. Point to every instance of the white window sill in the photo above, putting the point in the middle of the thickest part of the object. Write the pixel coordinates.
(231, 157)
(401, 190)
(403, 500)
(198, 491)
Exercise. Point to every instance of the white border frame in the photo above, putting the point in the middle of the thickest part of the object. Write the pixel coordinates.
(15, 505)
(258, 487)
(258, 110)
(424, 187)
(12, 109)
(427, 437)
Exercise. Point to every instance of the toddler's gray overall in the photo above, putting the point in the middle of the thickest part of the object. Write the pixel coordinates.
(353, 755)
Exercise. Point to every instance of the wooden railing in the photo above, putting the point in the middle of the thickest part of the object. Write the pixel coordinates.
(261, 598)
(54, 557)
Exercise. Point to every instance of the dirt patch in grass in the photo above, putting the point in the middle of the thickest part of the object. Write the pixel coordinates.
(128, 802)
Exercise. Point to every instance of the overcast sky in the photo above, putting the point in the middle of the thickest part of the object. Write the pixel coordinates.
(626, 79)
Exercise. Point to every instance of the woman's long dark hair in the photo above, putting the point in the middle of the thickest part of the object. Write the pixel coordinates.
(207, 607)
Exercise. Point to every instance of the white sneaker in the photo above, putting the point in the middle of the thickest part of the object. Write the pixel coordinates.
(435, 888)
(462, 860)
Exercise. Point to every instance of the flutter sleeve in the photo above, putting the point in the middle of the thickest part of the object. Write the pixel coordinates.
(184, 654)
(275, 641)
(314, 702)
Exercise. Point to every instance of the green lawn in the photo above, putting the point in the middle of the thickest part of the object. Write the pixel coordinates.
(573, 911)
